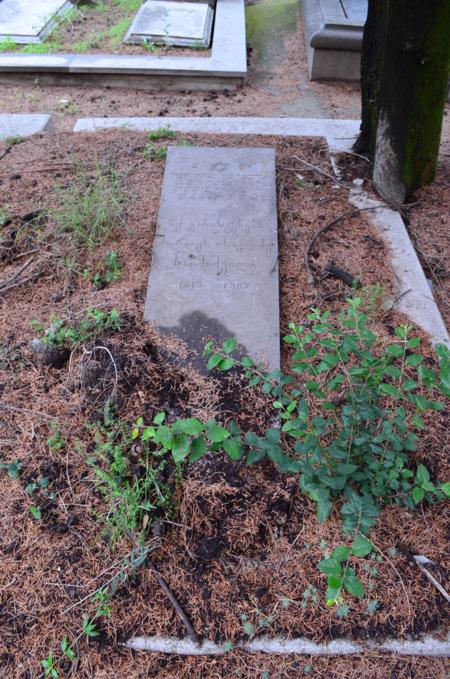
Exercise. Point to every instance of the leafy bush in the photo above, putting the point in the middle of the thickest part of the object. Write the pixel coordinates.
(348, 422)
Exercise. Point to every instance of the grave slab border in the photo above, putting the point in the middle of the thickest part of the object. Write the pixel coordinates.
(225, 68)
(415, 299)
(50, 24)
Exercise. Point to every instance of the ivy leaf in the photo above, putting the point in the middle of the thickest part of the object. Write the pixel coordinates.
(180, 447)
(215, 433)
(198, 449)
(418, 493)
(341, 553)
(361, 546)
(353, 585)
(226, 364)
(190, 426)
(229, 345)
(214, 361)
(324, 505)
(390, 390)
(422, 474)
(330, 567)
(233, 448)
(446, 488)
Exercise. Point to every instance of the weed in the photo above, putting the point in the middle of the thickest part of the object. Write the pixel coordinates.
(8, 45)
(91, 207)
(36, 513)
(13, 141)
(343, 610)
(153, 153)
(49, 667)
(55, 441)
(115, 33)
(47, 47)
(12, 468)
(110, 270)
(5, 216)
(92, 322)
(162, 133)
(149, 46)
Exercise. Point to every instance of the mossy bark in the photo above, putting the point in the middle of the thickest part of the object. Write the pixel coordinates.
(405, 64)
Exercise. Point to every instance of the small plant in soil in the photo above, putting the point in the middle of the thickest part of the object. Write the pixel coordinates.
(349, 422)
(161, 133)
(109, 270)
(152, 152)
(92, 206)
(62, 333)
(13, 141)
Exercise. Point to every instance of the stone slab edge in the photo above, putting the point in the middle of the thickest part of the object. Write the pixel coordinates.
(24, 124)
(426, 647)
(415, 299)
(228, 58)
(326, 26)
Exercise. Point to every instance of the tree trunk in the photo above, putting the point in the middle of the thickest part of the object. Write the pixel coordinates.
(404, 72)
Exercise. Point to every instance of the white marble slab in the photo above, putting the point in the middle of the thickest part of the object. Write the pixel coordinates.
(29, 21)
(185, 24)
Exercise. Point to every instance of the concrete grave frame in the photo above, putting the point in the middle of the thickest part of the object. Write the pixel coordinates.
(333, 41)
(414, 297)
(226, 68)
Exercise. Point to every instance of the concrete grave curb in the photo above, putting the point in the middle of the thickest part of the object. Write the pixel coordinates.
(24, 124)
(426, 647)
(226, 68)
(414, 297)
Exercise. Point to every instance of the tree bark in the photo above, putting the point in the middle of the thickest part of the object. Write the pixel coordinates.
(405, 64)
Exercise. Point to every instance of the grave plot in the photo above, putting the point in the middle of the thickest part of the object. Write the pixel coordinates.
(101, 497)
(157, 44)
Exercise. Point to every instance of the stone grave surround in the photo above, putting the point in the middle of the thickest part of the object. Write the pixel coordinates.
(29, 21)
(184, 24)
(333, 33)
(215, 256)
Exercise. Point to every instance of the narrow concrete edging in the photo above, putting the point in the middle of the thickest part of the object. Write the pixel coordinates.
(428, 646)
(225, 68)
(414, 297)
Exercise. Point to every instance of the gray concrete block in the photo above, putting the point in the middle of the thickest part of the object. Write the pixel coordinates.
(215, 257)
(24, 124)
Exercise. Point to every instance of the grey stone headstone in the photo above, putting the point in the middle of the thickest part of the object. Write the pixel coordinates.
(166, 22)
(215, 255)
(29, 21)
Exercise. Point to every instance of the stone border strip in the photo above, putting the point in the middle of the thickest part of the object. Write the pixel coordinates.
(24, 124)
(226, 68)
(428, 646)
(414, 297)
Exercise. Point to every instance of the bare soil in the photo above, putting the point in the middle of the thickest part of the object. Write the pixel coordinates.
(245, 539)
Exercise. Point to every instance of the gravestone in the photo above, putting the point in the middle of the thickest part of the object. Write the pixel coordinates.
(29, 21)
(215, 256)
(185, 24)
